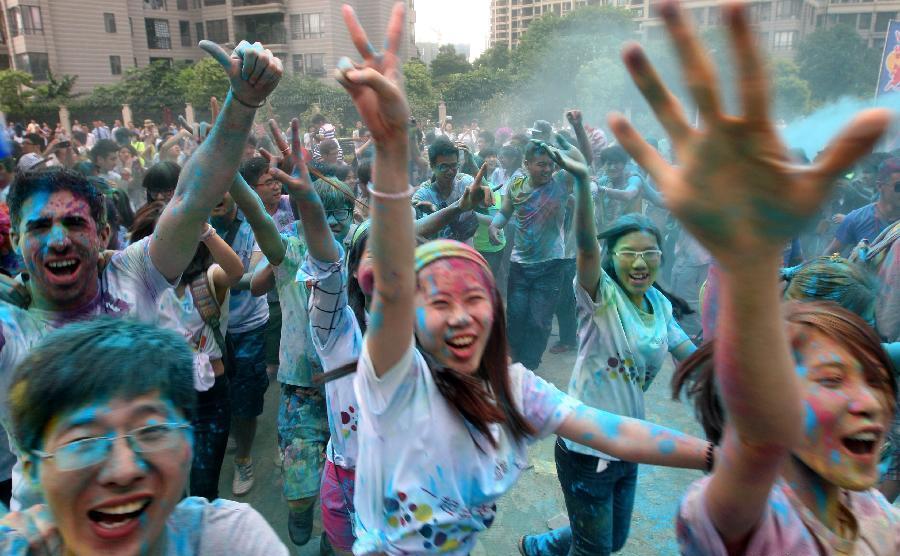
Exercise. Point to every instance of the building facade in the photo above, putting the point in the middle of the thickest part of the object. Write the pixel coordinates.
(428, 50)
(779, 24)
(98, 40)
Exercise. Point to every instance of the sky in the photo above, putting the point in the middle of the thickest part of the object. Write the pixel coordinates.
(462, 21)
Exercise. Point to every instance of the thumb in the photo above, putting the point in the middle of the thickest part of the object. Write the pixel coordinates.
(218, 53)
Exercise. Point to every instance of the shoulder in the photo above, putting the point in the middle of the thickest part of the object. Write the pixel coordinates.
(223, 526)
(861, 213)
(464, 180)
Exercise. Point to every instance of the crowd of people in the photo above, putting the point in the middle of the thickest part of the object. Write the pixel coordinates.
(155, 281)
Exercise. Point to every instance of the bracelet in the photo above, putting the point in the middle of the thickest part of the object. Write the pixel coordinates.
(401, 196)
(207, 233)
(710, 456)
(235, 97)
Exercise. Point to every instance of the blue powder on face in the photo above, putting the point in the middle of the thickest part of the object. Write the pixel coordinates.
(810, 421)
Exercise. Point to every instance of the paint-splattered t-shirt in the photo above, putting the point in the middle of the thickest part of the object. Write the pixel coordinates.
(130, 286)
(461, 228)
(338, 341)
(194, 528)
(424, 487)
(620, 350)
(247, 312)
(887, 310)
(539, 218)
(788, 527)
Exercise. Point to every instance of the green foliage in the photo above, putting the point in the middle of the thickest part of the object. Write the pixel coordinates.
(792, 94)
(448, 62)
(836, 62)
(56, 90)
(496, 57)
(300, 96)
(201, 81)
(15, 90)
(423, 100)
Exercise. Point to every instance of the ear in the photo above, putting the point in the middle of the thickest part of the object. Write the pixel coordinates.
(103, 233)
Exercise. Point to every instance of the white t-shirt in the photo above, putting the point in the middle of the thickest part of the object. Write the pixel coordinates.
(424, 486)
(130, 286)
(195, 527)
(620, 350)
(338, 341)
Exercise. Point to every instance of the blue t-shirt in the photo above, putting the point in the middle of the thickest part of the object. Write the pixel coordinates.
(862, 223)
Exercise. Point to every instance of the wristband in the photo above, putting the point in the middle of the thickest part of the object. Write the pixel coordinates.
(400, 196)
(207, 233)
(235, 97)
(710, 456)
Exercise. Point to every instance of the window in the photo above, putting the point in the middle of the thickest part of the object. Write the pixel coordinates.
(154, 4)
(35, 63)
(199, 28)
(195, 4)
(109, 21)
(785, 39)
(184, 27)
(158, 36)
(115, 65)
(167, 61)
(213, 2)
(217, 30)
(298, 63)
(882, 20)
(787, 9)
(307, 26)
(314, 64)
(182, 4)
(25, 20)
(865, 21)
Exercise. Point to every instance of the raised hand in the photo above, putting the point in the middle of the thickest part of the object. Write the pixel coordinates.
(566, 156)
(253, 71)
(735, 188)
(296, 178)
(375, 85)
(574, 117)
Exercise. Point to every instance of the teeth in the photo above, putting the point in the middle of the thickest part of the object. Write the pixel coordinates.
(864, 437)
(122, 509)
(462, 342)
(62, 264)
(113, 524)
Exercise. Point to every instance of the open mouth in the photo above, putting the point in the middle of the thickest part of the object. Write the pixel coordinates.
(118, 520)
(461, 342)
(861, 444)
(639, 277)
(63, 268)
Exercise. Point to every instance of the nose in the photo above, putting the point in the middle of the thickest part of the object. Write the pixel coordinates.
(459, 317)
(123, 466)
(332, 220)
(58, 238)
(866, 401)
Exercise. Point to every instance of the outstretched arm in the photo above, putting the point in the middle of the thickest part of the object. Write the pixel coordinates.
(584, 144)
(253, 73)
(375, 88)
(264, 230)
(738, 192)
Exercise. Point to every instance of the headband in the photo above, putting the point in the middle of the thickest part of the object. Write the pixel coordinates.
(445, 249)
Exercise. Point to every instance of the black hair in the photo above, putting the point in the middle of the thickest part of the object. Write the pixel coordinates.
(50, 181)
(103, 147)
(442, 146)
(36, 139)
(318, 120)
(622, 226)
(356, 299)
(533, 150)
(253, 168)
(145, 220)
(94, 361)
(328, 146)
(512, 151)
(122, 136)
(122, 204)
(162, 176)
(488, 137)
(80, 136)
(486, 152)
(364, 173)
(611, 155)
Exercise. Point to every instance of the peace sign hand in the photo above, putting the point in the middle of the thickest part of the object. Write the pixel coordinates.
(291, 170)
(253, 71)
(735, 187)
(376, 85)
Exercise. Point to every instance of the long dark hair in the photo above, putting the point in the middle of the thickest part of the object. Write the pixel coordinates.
(356, 299)
(622, 226)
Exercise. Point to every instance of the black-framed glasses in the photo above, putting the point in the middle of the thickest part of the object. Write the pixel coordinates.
(339, 214)
(92, 451)
(444, 168)
(650, 255)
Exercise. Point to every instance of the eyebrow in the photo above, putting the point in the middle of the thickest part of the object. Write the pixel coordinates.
(88, 416)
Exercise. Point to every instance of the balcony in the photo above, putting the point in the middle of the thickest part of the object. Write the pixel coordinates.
(257, 7)
(268, 29)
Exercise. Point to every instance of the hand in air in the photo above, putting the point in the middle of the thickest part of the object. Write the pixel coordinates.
(253, 71)
(574, 117)
(291, 170)
(735, 187)
(375, 85)
(566, 156)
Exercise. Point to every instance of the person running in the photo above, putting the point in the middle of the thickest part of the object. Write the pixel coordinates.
(446, 426)
(101, 411)
(808, 391)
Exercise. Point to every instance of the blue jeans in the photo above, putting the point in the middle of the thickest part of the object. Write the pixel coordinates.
(599, 506)
(211, 422)
(565, 307)
(530, 304)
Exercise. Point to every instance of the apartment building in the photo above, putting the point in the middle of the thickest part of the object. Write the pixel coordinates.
(98, 40)
(779, 23)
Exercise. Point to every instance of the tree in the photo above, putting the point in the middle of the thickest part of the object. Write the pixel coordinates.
(791, 92)
(836, 62)
(55, 90)
(203, 80)
(496, 57)
(15, 90)
(448, 62)
(465, 93)
(423, 100)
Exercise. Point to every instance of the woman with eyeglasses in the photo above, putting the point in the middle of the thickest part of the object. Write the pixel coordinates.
(101, 413)
(626, 331)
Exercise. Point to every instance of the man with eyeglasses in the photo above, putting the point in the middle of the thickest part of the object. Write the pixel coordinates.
(869, 221)
(444, 188)
(101, 411)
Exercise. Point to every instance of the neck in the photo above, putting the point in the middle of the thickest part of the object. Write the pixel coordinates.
(83, 303)
(887, 211)
(637, 299)
(821, 497)
(443, 188)
(272, 208)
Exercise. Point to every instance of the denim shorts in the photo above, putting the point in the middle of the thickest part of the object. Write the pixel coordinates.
(249, 380)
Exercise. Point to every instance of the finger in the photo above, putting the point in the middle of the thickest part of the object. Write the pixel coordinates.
(218, 54)
(852, 143)
(358, 34)
(263, 60)
(278, 137)
(214, 108)
(270, 158)
(395, 29)
(646, 156)
(699, 73)
(295, 139)
(480, 175)
(383, 87)
(281, 176)
(663, 103)
(753, 84)
(249, 55)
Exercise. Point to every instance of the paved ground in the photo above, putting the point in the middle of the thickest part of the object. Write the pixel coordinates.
(537, 496)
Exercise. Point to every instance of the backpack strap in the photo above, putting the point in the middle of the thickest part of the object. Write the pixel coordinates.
(203, 294)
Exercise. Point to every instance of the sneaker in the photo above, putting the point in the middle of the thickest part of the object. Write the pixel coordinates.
(558, 348)
(300, 525)
(243, 478)
(278, 459)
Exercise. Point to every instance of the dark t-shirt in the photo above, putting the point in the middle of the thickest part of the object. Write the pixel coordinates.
(862, 223)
